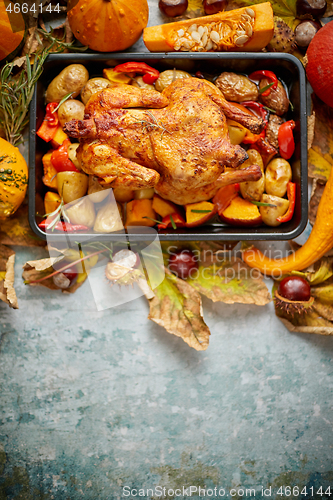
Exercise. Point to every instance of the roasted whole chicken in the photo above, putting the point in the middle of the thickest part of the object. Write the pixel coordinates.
(176, 141)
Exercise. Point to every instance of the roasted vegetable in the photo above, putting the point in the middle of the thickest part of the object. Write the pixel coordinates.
(168, 76)
(71, 185)
(277, 99)
(241, 212)
(70, 80)
(270, 214)
(92, 86)
(140, 213)
(109, 218)
(278, 174)
(82, 212)
(71, 109)
(237, 87)
(253, 190)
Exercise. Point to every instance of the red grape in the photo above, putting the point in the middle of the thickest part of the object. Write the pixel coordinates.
(182, 263)
(173, 8)
(295, 288)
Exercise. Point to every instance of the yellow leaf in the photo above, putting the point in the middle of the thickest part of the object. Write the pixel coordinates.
(318, 166)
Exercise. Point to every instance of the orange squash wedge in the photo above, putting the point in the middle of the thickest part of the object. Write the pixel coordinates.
(12, 31)
(258, 30)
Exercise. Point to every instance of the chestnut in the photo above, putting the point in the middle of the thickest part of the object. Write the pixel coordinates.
(182, 263)
(294, 288)
(310, 9)
(214, 6)
(66, 278)
(173, 8)
(305, 31)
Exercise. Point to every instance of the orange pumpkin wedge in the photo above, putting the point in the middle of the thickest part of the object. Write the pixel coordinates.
(165, 37)
(12, 31)
(199, 213)
(241, 212)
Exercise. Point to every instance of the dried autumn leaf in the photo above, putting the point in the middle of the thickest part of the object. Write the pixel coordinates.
(34, 270)
(329, 10)
(319, 330)
(230, 280)
(177, 307)
(17, 231)
(317, 192)
(7, 291)
(320, 155)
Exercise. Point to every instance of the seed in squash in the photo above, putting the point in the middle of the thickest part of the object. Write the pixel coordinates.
(173, 8)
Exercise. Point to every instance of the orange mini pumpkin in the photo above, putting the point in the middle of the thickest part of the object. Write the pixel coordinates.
(107, 25)
(12, 30)
(13, 178)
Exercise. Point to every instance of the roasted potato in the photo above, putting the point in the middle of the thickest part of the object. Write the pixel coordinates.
(71, 79)
(277, 99)
(70, 110)
(272, 130)
(278, 174)
(142, 194)
(72, 154)
(236, 132)
(138, 82)
(92, 86)
(82, 212)
(236, 87)
(270, 214)
(109, 218)
(96, 192)
(168, 76)
(71, 185)
(253, 190)
(123, 194)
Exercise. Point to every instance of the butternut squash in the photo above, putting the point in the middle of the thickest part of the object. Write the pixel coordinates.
(258, 31)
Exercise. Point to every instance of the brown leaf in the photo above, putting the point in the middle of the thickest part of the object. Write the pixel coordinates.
(324, 310)
(319, 330)
(16, 230)
(317, 191)
(178, 308)
(230, 280)
(320, 155)
(34, 270)
(7, 276)
(311, 128)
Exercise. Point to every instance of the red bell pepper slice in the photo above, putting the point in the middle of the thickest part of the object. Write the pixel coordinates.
(63, 226)
(286, 139)
(150, 74)
(224, 196)
(177, 220)
(258, 75)
(291, 193)
(258, 109)
(60, 160)
(50, 123)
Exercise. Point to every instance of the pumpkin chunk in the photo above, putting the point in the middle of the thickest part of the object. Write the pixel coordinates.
(241, 212)
(248, 28)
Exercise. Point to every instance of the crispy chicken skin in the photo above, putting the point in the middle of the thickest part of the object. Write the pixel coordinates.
(176, 141)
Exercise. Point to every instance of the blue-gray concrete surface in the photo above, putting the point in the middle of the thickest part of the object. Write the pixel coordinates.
(93, 401)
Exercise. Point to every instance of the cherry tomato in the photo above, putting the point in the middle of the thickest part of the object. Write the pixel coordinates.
(182, 263)
(294, 288)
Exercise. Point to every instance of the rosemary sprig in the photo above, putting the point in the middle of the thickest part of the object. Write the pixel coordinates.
(262, 204)
(263, 89)
(154, 123)
(60, 43)
(173, 224)
(57, 214)
(201, 211)
(15, 95)
(64, 99)
(150, 218)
